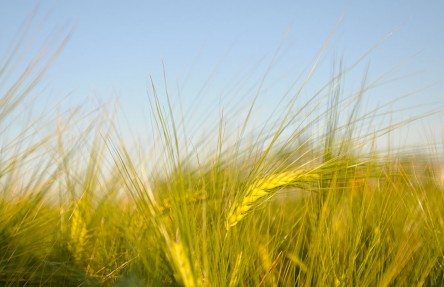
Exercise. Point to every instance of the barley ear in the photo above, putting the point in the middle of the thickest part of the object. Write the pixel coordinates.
(78, 234)
(235, 273)
(181, 263)
(265, 187)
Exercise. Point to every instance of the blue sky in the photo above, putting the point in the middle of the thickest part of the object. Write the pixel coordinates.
(117, 45)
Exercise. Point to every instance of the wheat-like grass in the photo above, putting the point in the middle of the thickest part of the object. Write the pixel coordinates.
(265, 187)
(235, 274)
(181, 264)
(298, 262)
(267, 264)
(167, 204)
(78, 234)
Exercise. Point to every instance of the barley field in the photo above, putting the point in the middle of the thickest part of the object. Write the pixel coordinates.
(313, 198)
